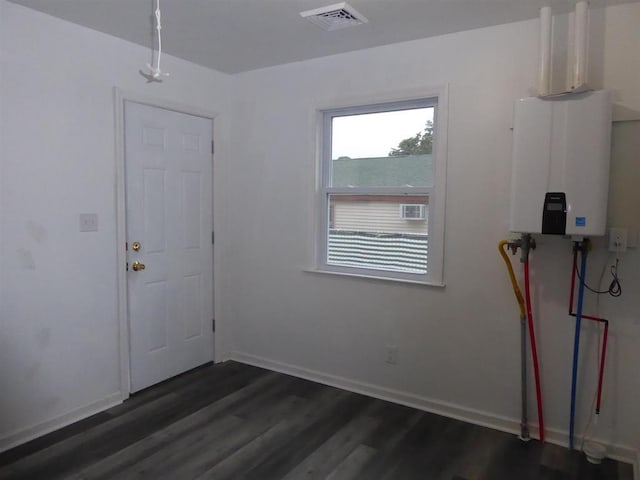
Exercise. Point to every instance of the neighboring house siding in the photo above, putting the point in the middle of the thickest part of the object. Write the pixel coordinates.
(371, 216)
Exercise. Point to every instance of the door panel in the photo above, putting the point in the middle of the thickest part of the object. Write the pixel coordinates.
(169, 211)
(154, 215)
(192, 194)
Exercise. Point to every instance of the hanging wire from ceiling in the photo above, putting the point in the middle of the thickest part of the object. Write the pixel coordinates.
(155, 74)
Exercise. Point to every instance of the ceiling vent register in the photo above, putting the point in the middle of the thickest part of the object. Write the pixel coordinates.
(334, 17)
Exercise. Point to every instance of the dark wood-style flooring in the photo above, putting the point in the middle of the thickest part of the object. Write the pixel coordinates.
(233, 421)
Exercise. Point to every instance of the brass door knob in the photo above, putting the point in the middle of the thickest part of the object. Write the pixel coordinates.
(137, 266)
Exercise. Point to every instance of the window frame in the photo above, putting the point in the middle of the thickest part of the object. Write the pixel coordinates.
(434, 97)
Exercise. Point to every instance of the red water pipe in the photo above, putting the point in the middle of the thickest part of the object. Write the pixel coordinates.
(595, 319)
(601, 375)
(534, 350)
(602, 355)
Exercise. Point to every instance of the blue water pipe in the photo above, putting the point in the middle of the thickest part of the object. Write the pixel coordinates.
(576, 341)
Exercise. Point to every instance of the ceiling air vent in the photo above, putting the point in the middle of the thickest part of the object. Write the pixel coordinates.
(334, 17)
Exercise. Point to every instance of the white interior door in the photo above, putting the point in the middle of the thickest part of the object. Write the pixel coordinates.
(169, 214)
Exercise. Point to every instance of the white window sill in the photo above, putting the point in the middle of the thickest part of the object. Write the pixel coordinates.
(375, 277)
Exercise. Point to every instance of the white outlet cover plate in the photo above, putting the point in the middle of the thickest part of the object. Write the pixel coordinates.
(618, 239)
(88, 222)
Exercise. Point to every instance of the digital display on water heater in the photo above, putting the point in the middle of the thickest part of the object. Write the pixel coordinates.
(554, 214)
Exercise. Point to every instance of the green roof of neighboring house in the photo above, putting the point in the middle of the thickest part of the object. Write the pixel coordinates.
(414, 170)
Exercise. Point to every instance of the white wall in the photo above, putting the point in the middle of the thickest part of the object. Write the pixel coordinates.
(58, 305)
(458, 346)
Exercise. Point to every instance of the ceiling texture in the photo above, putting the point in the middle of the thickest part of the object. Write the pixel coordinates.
(234, 36)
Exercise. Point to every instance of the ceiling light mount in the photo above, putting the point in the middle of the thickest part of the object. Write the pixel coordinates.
(155, 74)
(334, 17)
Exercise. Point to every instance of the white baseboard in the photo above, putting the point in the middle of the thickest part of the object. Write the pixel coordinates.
(222, 357)
(620, 453)
(23, 436)
(485, 419)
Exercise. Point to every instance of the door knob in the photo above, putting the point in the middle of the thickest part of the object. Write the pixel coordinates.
(137, 266)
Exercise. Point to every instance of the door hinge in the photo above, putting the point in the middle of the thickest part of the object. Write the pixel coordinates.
(213, 324)
(213, 238)
(213, 147)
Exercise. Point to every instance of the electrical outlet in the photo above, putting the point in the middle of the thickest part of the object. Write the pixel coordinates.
(88, 222)
(617, 239)
(391, 354)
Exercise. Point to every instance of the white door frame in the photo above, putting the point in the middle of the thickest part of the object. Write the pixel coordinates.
(119, 97)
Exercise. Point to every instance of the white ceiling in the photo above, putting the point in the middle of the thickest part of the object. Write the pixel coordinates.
(238, 35)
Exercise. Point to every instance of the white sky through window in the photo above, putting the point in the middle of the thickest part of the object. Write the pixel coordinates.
(375, 134)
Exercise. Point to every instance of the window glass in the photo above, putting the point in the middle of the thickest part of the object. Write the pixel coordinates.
(370, 232)
(383, 149)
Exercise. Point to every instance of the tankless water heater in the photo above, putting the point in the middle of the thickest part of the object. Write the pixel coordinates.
(561, 154)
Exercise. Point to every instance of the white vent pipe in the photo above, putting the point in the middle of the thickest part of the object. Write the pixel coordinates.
(581, 20)
(580, 43)
(544, 73)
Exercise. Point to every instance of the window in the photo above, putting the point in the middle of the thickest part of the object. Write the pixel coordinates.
(380, 188)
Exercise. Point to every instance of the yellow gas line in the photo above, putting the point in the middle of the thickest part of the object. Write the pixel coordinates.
(512, 276)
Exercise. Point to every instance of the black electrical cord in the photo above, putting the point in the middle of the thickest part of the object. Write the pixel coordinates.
(615, 289)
